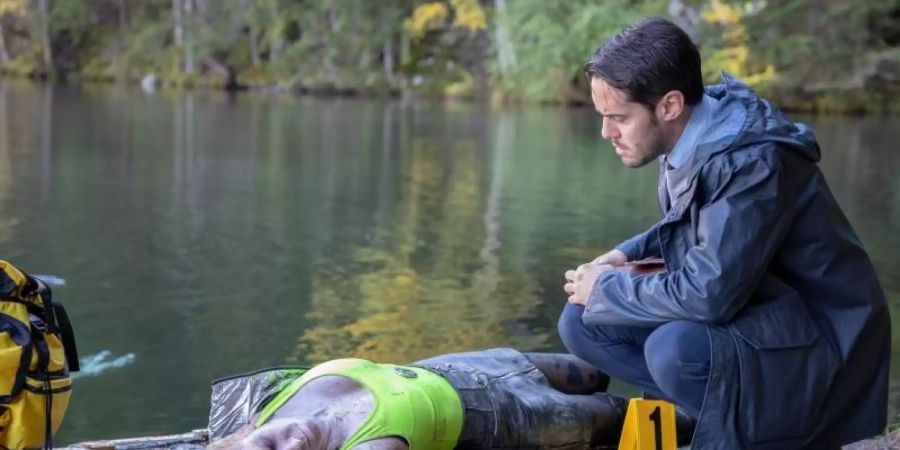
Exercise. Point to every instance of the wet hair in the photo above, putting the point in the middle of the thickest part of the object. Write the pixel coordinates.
(648, 59)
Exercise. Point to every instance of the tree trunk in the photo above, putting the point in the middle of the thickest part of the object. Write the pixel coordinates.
(182, 10)
(178, 29)
(189, 65)
(275, 42)
(686, 16)
(388, 60)
(506, 53)
(45, 35)
(123, 14)
(119, 62)
(254, 44)
(333, 19)
(4, 56)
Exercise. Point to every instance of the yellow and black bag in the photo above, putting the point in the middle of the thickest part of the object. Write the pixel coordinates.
(37, 352)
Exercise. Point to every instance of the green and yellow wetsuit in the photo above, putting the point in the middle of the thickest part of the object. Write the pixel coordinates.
(412, 403)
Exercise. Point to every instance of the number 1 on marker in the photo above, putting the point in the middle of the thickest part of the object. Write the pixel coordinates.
(649, 425)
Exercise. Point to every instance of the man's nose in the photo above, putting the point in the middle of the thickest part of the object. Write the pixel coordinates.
(607, 130)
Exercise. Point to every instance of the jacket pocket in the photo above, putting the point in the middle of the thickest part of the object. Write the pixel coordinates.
(786, 369)
(778, 325)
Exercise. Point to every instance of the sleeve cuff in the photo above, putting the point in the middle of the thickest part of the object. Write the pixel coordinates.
(596, 303)
(628, 248)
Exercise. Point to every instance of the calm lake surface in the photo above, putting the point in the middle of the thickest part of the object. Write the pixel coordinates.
(200, 235)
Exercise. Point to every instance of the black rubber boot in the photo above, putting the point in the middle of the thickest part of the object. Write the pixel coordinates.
(607, 435)
(684, 427)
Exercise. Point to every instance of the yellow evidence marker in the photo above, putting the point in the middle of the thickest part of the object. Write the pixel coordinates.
(649, 425)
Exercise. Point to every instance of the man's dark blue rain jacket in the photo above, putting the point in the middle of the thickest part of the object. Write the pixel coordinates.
(757, 248)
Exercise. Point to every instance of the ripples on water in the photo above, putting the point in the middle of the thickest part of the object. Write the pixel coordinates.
(98, 363)
(212, 235)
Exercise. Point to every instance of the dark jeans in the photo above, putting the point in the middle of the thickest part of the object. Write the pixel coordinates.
(509, 404)
(669, 362)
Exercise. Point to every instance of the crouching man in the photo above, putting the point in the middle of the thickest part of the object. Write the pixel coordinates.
(769, 324)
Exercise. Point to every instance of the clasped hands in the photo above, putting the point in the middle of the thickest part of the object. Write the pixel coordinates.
(580, 282)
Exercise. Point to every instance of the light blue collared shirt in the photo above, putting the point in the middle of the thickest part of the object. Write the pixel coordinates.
(687, 144)
(697, 124)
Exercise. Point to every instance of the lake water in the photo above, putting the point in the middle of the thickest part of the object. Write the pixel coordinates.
(200, 235)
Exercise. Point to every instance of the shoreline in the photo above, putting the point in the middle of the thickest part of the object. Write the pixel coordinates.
(847, 99)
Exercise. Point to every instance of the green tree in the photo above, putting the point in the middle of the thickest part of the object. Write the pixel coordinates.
(445, 46)
(12, 9)
(554, 39)
(810, 40)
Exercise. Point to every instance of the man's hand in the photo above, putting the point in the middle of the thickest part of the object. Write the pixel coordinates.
(580, 282)
(613, 257)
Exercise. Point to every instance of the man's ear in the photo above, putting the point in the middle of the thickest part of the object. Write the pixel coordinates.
(671, 106)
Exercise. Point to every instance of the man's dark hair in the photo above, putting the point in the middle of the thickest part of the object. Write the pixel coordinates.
(648, 59)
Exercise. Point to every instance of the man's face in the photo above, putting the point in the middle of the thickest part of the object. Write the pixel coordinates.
(633, 129)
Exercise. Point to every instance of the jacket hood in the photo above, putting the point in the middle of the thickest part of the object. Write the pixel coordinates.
(741, 118)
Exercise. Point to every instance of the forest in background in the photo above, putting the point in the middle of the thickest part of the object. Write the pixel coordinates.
(811, 55)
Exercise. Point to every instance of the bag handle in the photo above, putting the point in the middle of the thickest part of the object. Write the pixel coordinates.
(67, 335)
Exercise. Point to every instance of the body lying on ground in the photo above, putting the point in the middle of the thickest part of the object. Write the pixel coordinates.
(498, 398)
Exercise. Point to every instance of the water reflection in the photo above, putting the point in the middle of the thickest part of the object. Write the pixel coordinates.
(6, 175)
(861, 162)
(212, 234)
(426, 279)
